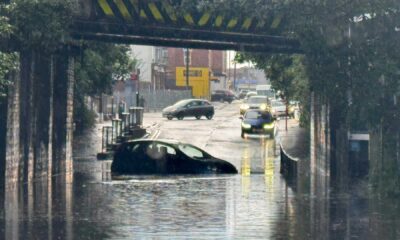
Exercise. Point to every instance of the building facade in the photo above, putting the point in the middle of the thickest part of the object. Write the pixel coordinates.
(214, 60)
(152, 65)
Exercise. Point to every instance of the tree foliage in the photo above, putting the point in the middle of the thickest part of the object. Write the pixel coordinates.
(8, 60)
(42, 24)
(352, 59)
(98, 66)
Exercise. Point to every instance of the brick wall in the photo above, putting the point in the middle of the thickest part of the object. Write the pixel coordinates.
(218, 61)
(199, 58)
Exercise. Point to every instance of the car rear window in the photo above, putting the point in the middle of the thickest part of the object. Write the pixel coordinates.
(257, 100)
(258, 115)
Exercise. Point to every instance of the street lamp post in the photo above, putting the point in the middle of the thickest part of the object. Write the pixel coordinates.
(187, 68)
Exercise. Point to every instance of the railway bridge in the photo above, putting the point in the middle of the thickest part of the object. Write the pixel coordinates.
(40, 104)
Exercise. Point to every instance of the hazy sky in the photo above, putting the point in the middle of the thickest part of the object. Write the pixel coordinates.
(231, 56)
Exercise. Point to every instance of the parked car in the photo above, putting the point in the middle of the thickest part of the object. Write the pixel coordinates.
(223, 96)
(278, 108)
(254, 102)
(258, 122)
(189, 108)
(166, 157)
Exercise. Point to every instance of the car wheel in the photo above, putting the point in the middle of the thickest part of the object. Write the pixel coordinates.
(209, 116)
(180, 116)
(242, 134)
(198, 117)
(169, 118)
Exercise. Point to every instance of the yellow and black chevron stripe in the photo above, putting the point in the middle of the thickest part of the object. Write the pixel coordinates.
(164, 13)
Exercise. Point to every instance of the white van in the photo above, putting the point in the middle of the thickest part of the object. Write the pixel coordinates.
(265, 90)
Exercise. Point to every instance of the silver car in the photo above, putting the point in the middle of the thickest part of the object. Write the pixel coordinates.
(278, 108)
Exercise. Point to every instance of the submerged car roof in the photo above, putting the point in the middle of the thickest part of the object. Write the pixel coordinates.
(170, 141)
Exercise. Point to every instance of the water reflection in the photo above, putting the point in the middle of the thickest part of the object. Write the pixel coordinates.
(32, 210)
(260, 205)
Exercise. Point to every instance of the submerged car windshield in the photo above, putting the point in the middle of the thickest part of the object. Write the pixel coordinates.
(257, 100)
(259, 115)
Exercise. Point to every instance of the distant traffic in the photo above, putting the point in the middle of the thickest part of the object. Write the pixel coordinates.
(258, 110)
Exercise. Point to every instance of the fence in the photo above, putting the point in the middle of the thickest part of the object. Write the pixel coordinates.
(122, 129)
(156, 100)
(288, 164)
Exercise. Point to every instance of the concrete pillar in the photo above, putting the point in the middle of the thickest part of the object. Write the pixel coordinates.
(42, 115)
(28, 119)
(39, 119)
(10, 167)
(63, 113)
(26, 115)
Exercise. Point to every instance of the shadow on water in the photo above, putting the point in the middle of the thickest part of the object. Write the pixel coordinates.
(49, 209)
(321, 211)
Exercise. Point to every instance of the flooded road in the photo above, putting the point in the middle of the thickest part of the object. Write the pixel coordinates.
(258, 203)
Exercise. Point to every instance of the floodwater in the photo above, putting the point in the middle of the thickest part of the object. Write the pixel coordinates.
(90, 205)
(258, 203)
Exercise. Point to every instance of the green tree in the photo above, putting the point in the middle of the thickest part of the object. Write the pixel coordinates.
(8, 60)
(99, 66)
(287, 74)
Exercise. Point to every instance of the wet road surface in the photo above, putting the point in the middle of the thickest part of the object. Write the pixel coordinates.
(258, 203)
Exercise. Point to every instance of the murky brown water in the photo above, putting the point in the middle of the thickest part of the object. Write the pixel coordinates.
(89, 205)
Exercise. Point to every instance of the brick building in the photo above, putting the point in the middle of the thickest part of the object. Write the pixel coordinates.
(214, 60)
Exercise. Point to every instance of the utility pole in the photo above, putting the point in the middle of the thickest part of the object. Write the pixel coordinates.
(234, 76)
(187, 68)
(137, 87)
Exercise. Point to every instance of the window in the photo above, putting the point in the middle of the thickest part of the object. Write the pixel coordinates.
(158, 150)
(133, 148)
(168, 149)
(258, 100)
(191, 151)
(258, 115)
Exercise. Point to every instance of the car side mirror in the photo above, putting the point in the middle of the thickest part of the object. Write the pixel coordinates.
(241, 117)
(274, 118)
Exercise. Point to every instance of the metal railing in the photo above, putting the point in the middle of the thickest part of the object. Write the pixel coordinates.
(122, 129)
(288, 164)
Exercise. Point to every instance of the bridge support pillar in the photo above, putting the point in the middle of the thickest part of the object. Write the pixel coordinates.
(63, 113)
(39, 121)
(320, 146)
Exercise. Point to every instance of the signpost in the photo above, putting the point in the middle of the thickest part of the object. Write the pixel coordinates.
(135, 77)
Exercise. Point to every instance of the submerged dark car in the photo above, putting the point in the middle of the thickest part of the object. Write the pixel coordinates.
(258, 122)
(189, 108)
(166, 157)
